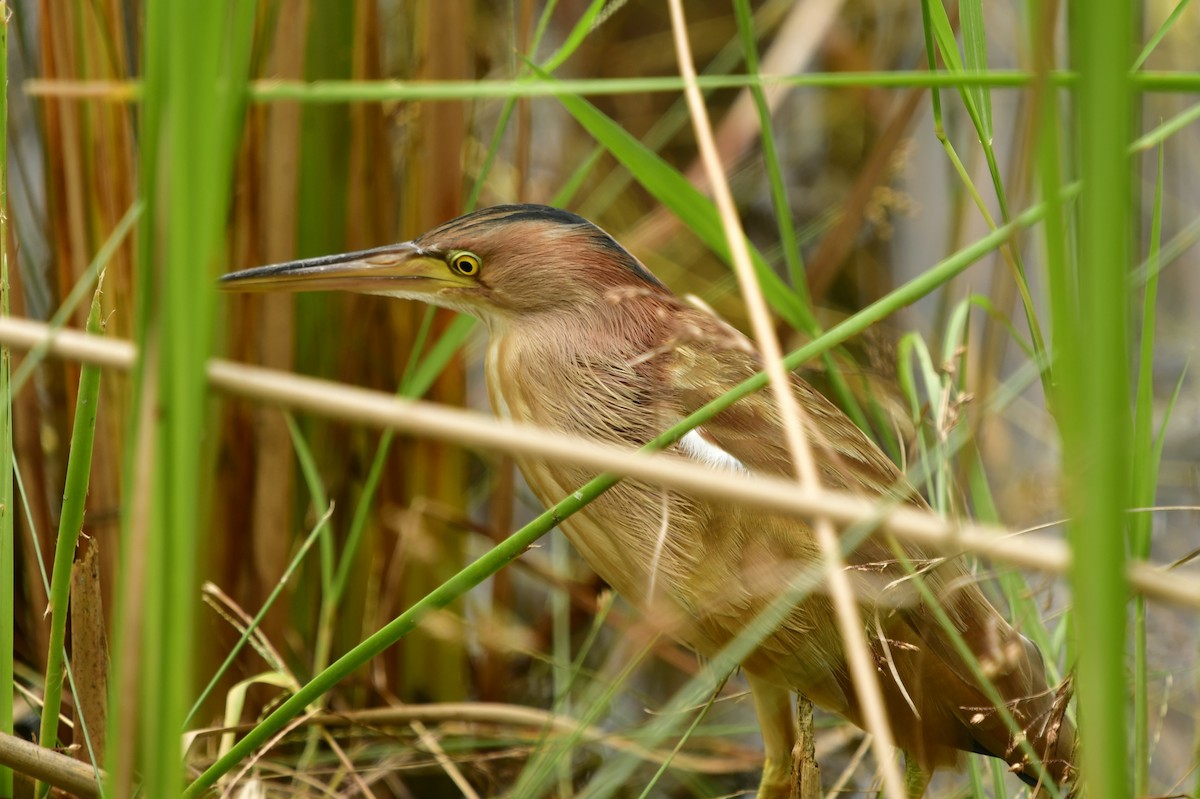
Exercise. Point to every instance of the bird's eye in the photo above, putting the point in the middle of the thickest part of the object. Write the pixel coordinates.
(465, 263)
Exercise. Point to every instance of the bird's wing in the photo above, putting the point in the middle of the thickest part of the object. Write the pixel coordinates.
(711, 360)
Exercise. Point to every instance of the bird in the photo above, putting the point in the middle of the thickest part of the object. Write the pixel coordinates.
(585, 340)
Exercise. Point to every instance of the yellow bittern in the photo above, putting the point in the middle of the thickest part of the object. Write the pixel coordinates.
(585, 340)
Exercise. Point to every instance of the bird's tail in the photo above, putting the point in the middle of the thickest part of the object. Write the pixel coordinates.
(1050, 734)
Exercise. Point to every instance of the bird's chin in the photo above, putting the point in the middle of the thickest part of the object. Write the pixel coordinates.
(443, 294)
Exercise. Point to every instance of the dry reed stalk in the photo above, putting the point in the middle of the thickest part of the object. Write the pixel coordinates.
(377, 409)
(506, 717)
(370, 211)
(46, 765)
(800, 38)
(273, 221)
(90, 185)
(795, 420)
(28, 419)
(89, 654)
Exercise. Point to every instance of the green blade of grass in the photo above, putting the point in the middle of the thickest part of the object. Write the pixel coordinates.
(675, 118)
(1162, 31)
(323, 507)
(332, 91)
(794, 263)
(318, 529)
(199, 152)
(540, 770)
(1022, 604)
(418, 378)
(196, 58)
(571, 671)
(1143, 494)
(575, 38)
(933, 387)
(683, 199)
(939, 32)
(683, 739)
(70, 524)
(327, 613)
(1095, 390)
(974, 35)
(779, 198)
(1166, 130)
(78, 292)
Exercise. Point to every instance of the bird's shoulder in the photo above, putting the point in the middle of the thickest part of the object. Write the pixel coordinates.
(704, 358)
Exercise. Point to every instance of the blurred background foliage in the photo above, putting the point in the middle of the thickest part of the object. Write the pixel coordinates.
(871, 196)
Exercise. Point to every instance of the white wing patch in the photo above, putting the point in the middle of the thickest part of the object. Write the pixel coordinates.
(697, 447)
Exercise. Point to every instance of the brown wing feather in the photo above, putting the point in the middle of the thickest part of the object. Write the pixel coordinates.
(923, 674)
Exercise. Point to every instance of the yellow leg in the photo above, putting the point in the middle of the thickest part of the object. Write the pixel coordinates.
(773, 705)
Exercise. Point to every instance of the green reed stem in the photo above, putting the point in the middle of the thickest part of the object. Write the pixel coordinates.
(1095, 412)
(1142, 495)
(70, 523)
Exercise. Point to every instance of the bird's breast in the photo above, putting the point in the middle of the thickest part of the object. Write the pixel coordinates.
(679, 555)
(635, 536)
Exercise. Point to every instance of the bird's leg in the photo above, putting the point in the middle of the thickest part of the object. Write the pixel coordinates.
(773, 705)
(916, 779)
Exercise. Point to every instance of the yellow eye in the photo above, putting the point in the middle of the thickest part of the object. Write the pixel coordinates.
(465, 263)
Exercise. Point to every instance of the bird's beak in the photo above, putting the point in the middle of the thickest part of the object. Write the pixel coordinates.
(402, 270)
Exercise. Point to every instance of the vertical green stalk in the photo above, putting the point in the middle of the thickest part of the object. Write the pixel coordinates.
(1145, 480)
(779, 198)
(564, 675)
(196, 59)
(7, 511)
(792, 258)
(977, 104)
(79, 464)
(132, 632)
(1059, 269)
(198, 144)
(1096, 390)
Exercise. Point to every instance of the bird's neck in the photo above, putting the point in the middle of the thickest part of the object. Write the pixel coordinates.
(547, 369)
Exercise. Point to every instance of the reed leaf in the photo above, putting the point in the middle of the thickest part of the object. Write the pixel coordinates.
(79, 464)
(1094, 411)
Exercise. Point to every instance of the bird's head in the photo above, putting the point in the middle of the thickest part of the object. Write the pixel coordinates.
(498, 264)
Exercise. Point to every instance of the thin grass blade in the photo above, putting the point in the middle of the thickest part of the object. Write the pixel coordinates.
(79, 464)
